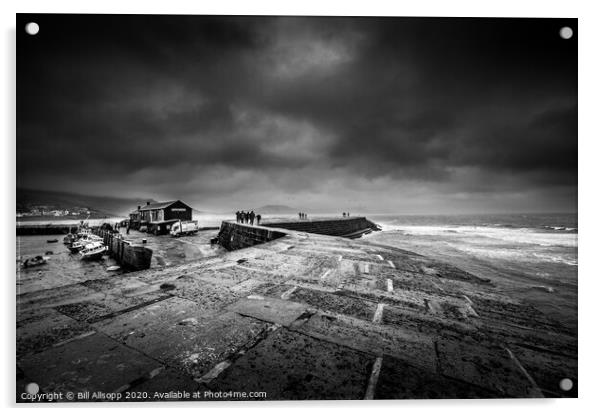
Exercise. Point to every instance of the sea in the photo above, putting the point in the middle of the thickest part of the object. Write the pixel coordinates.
(530, 257)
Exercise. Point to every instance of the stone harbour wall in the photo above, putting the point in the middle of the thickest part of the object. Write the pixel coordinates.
(338, 227)
(131, 257)
(234, 236)
(45, 229)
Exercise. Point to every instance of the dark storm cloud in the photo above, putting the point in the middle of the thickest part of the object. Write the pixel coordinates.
(212, 106)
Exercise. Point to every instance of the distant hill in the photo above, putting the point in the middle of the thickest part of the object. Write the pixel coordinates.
(276, 209)
(99, 206)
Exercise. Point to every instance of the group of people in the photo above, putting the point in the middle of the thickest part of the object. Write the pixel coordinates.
(302, 216)
(345, 214)
(247, 217)
(121, 224)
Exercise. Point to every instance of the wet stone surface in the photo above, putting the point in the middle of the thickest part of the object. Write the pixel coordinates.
(179, 335)
(92, 363)
(207, 295)
(335, 303)
(400, 380)
(291, 366)
(547, 369)
(373, 339)
(99, 309)
(305, 316)
(52, 328)
(269, 309)
(426, 322)
(492, 368)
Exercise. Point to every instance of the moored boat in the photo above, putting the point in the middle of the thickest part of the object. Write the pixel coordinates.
(34, 261)
(82, 241)
(76, 246)
(69, 239)
(93, 251)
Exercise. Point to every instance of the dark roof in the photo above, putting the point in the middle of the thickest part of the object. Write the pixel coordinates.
(159, 205)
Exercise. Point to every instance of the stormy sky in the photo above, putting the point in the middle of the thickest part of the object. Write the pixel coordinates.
(372, 115)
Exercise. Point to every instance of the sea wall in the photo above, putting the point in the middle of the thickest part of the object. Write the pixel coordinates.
(45, 229)
(131, 257)
(234, 236)
(339, 227)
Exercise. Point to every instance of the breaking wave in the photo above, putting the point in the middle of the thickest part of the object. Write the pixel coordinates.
(506, 234)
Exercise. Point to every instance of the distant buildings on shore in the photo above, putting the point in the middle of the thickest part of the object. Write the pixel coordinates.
(51, 211)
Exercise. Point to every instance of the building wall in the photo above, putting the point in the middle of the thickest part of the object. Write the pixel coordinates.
(145, 216)
(178, 211)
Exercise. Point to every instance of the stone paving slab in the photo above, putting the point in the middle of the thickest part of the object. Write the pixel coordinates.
(207, 296)
(275, 290)
(37, 279)
(400, 380)
(404, 280)
(553, 342)
(122, 283)
(53, 328)
(492, 368)
(335, 303)
(377, 340)
(418, 300)
(246, 287)
(92, 363)
(227, 277)
(292, 366)
(517, 316)
(178, 333)
(273, 310)
(548, 369)
(427, 322)
(265, 267)
(94, 310)
(50, 298)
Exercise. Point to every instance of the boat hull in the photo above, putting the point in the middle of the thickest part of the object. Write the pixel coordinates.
(97, 255)
(75, 249)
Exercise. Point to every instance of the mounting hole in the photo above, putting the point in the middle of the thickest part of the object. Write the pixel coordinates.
(566, 32)
(566, 384)
(32, 388)
(32, 28)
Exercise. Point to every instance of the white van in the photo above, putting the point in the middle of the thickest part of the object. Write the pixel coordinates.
(184, 228)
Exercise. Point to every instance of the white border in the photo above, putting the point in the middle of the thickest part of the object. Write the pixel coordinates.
(590, 209)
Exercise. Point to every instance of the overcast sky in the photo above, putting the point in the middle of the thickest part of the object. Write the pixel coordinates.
(396, 115)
